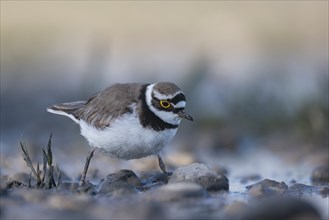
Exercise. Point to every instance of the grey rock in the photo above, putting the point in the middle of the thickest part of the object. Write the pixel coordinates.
(88, 188)
(21, 178)
(202, 175)
(299, 190)
(152, 180)
(176, 191)
(324, 192)
(121, 183)
(320, 175)
(124, 176)
(155, 178)
(72, 187)
(266, 187)
(116, 189)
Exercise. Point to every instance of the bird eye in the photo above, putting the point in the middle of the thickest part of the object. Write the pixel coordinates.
(165, 104)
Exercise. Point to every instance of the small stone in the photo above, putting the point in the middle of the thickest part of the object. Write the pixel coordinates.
(88, 188)
(124, 176)
(116, 189)
(202, 175)
(320, 175)
(256, 191)
(176, 191)
(299, 189)
(121, 183)
(152, 178)
(22, 178)
(266, 187)
(324, 192)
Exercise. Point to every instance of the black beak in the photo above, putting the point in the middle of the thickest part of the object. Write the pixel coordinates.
(184, 114)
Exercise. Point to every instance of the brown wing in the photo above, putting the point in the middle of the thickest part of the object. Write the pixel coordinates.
(68, 107)
(101, 109)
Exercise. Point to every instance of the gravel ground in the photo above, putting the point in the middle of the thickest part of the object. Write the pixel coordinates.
(257, 184)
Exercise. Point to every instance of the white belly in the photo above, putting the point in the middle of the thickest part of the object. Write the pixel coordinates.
(127, 139)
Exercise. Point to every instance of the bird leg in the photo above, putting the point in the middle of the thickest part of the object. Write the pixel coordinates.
(162, 165)
(85, 170)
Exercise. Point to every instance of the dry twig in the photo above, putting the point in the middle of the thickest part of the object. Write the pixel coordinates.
(27, 158)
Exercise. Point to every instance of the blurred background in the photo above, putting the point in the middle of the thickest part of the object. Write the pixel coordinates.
(255, 75)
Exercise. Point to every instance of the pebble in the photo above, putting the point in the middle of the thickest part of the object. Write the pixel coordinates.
(202, 175)
(116, 189)
(320, 175)
(123, 182)
(187, 195)
(266, 187)
(124, 176)
(152, 178)
(88, 188)
(299, 190)
(22, 178)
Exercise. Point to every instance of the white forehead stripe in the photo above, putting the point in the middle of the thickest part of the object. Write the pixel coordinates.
(148, 94)
(180, 104)
(168, 117)
(163, 97)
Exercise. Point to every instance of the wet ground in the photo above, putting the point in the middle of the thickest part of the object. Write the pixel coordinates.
(251, 183)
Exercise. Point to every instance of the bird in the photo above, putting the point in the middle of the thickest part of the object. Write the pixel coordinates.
(129, 120)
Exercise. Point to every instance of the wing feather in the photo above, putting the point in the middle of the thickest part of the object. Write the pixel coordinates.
(101, 109)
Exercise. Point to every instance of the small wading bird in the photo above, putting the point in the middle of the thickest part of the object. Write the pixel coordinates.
(129, 121)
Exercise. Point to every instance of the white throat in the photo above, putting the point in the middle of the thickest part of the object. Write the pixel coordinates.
(168, 117)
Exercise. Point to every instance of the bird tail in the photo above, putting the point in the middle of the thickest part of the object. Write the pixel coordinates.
(67, 109)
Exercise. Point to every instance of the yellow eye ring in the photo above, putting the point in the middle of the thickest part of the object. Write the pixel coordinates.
(165, 104)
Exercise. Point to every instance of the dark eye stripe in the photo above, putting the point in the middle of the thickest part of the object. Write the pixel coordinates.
(178, 109)
(179, 97)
